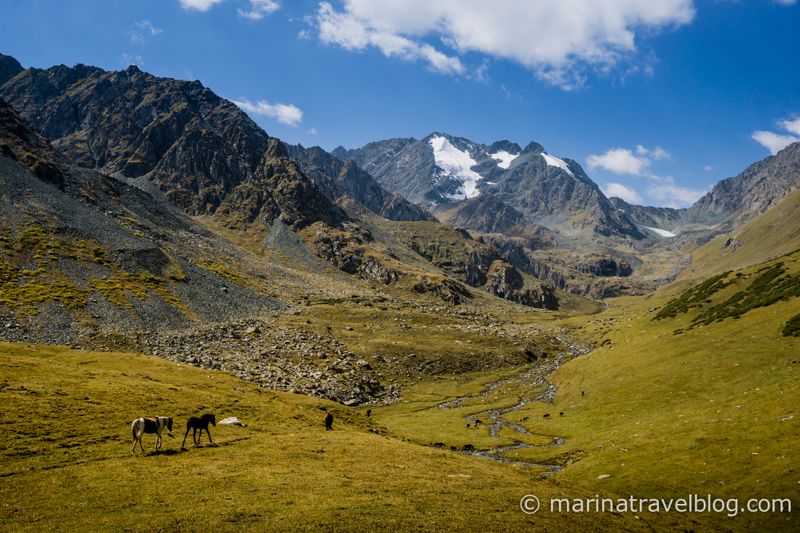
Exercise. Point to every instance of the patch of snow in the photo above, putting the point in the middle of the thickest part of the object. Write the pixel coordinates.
(661, 232)
(503, 158)
(456, 164)
(556, 162)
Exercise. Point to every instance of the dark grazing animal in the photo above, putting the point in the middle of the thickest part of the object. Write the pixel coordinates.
(546, 415)
(328, 422)
(369, 412)
(156, 424)
(199, 423)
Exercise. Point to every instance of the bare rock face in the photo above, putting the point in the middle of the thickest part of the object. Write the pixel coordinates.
(505, 281)
(190, 143)
(732, 201)
(761, 186)
(9, 67)
(487, 214)
(448, 290)
(337, 178)
(21, 143)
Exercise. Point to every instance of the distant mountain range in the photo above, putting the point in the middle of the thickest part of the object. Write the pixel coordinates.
(499, 186)
(91, 133)
(502, 187)
(537, 223)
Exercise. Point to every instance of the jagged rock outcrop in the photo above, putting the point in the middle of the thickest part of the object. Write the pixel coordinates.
(22, 144)
(337, 178)
(657, 217)
(505, 281)
(191, 144)
(455, 252)
(487, 214)
(9, 67)
(176, 136)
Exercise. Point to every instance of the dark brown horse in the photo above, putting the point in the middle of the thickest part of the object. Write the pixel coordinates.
(329, 421)
(201, 423)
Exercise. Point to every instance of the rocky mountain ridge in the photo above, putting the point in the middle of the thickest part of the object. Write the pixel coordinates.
(522, 185)
(731, 202)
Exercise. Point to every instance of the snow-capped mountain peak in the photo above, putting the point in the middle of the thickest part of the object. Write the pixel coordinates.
(503, 158)
(556, 162)
(456, 164)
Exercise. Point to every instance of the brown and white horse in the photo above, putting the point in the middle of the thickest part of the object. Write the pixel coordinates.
(156, 425)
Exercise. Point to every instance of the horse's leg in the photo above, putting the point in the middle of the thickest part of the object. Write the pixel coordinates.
(194, 437)
(209, 435)
(183, 444)
(140, 441)
(158, 442)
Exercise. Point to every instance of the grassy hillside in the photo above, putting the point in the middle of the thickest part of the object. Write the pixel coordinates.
(66, 461)
(703, 400)
(772, 234)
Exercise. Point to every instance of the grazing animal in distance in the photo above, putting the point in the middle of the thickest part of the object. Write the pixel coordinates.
(546, 416)
(156, 424)
(561, 413)
(369, 413)
(328, 422)
(525, 419)
(478, 422)
(199, 423)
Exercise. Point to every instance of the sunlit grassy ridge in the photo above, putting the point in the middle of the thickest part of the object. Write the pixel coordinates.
(66, 461)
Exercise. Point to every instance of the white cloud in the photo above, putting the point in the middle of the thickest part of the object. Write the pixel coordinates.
(142, 31)
(556, 40)
(199, 5)
(132, 59)
(288, 114)
(656, 153)
(353, 33)
(671, 195)
(708, 168)
(792, 126)
(774, 142)
(312, 131)
(786, 2)
(619, 161)
(258, 8)
(621, 191)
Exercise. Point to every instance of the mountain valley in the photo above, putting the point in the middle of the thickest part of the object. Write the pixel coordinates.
(482, 320)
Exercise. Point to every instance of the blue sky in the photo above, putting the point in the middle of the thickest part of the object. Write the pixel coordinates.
(657, 99)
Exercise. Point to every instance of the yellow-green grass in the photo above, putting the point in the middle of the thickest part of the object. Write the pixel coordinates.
(66, 461)
(417, 415)
(651, 413)
(422, 340)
